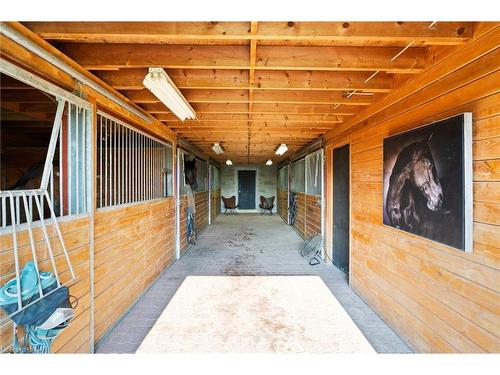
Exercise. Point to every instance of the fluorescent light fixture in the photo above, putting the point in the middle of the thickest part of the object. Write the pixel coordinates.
(269, 162)
(229, 162)
(281, 149)
(217, 149)
(159, 83)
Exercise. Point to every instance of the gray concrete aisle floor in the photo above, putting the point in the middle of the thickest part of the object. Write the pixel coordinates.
(245, 245)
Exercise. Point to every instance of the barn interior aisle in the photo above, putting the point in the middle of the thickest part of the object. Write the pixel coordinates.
(251, 245)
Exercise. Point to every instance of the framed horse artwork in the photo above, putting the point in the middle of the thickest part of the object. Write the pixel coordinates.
(428, 181)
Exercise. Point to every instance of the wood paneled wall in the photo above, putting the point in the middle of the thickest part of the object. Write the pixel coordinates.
(201, 216)
(283, 204)
(308, 216)
(183, 223)
(300, 214)
(201, 203)
(313, 215)
(438, 298)
(215, 202)
(133, 244)
(76, 338)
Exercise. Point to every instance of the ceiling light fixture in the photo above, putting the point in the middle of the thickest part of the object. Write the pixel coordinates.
(229, 162)
(217, 149)
(159, 83)
(269, 162)
(281, 149)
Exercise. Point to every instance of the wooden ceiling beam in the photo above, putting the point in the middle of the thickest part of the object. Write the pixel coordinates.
(254, 123)
(115, 56)
(340, 33)
(131, 79)
(231, 117)
(263, 128)
(260, 97)
(238, 108)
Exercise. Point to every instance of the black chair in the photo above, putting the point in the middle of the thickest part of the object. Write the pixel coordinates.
(266, 205)
(230, 205)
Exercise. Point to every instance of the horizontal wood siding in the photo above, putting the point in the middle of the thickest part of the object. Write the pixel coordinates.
(75, 338)
(283, 204)
(183, 224)
(300, 215)
(438, 298)
(201, 217)
(308, 217)
(214, 205)
(133, 245)
(313, 215)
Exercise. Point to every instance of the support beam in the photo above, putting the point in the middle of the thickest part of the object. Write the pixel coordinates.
(131, 79)
(116, 56)
(260, 96)
(311, 33)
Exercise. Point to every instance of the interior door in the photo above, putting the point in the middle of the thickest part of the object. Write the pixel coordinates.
(341, 208)
(246, 189)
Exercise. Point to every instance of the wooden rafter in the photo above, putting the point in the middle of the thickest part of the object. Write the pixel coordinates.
(131, 79)
(255, 85)
(251, 80)
(369, 59)
(339, 33)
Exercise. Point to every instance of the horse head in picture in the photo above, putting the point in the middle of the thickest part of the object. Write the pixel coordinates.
(414, 186)
(190, 173)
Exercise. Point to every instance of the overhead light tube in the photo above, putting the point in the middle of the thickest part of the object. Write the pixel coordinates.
(217, 149)
(281, 149)
(159, 83)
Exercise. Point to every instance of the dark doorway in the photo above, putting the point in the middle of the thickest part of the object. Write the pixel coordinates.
(341, 208)
(246, 189)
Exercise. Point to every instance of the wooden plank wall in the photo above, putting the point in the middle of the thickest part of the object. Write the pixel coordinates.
(438, 298)
(283, 204)
(313, 215)
(74, 339)
(308, 217)
(133, 244)
(215, 202)
(201, 217)
(300, 214)
(201, 204)
(183, 223)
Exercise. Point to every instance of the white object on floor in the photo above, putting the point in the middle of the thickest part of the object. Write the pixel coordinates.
(254, 314)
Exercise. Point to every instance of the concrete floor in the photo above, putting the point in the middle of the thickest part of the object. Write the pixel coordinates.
(245, 245)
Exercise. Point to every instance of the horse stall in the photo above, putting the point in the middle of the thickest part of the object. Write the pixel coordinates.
(379, 143)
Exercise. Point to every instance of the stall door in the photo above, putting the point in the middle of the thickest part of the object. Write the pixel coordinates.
(341, 208)
(246, 189)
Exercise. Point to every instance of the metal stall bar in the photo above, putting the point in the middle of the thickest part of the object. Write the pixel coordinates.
(16, 250)
(127, 166)
(115, 143)
(70, 162)
(59, 234)
(77, 136)
(150, 162)
(61, 174)
(120, 160)
(47, 239)
(100, 162)
(106, 164)
(32, 242)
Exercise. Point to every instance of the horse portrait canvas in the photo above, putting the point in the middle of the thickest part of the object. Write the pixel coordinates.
(428, 182)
